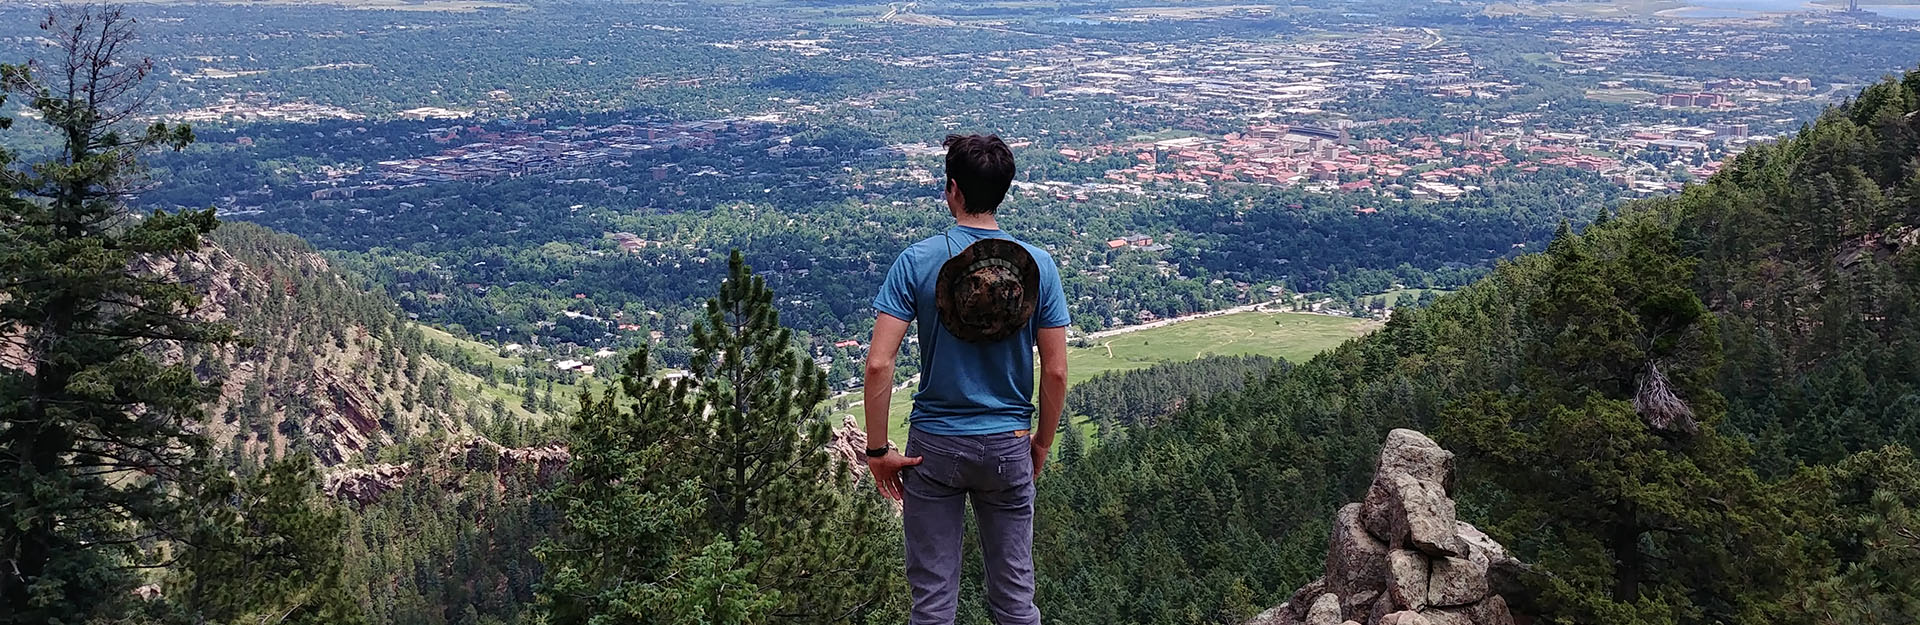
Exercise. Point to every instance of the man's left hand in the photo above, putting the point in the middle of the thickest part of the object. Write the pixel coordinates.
(1039, 456)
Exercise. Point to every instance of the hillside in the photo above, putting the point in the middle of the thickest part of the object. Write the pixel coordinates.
(1701, 409)
(323, 366)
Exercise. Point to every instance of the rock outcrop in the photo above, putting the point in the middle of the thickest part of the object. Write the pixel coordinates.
(848, 444)
(549, 461)
(364, 485)
(1400, 557)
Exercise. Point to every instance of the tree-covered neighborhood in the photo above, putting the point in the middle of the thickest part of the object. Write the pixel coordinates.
(491, 312)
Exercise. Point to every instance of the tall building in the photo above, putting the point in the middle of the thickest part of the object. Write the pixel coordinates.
(1033, 89)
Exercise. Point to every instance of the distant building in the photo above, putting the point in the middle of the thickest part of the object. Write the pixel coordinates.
(1729, 131)
(1677, 145)
(1033, 89)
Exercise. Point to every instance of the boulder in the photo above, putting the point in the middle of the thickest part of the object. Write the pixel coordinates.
(1356, 561)
(1325, 610)
(1476, 541)
(1359, 604)
(1420, 517)
(1278, 615)
(1448, 616)
(1376, 511)
(1382, 606)
(1406, 617)
(1456, 582)
(1493, 611)
(1505, 573)
(1407, 579)
(1303, 599)
(1412, 454)
(1507, 576)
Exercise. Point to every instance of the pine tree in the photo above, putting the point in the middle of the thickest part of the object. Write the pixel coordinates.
(710, 499)
(279, 555)
(102, 476)
(1613, 433)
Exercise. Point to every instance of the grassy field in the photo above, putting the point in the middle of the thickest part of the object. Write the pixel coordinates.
(469, 387)
(1296, 337)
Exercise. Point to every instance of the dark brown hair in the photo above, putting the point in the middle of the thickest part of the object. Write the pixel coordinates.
(982, 167)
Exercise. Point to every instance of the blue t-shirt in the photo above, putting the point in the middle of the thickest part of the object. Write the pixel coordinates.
(968, 388)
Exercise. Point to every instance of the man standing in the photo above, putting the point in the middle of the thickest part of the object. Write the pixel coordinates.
(984, 301)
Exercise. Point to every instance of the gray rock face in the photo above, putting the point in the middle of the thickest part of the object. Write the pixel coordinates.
(1456, 582)
(1407, 579)
(1325, 610)
(1356, 561)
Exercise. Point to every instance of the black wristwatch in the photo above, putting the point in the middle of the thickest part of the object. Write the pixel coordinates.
(881, 452)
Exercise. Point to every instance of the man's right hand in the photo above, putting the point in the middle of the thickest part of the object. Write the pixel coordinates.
(886, 472)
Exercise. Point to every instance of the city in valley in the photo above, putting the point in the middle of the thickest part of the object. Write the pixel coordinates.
(568, 194)
(702, 312)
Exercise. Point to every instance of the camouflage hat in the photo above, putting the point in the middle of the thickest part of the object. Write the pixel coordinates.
(988, 291)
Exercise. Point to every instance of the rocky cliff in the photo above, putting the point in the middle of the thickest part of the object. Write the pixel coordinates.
(848, 444)
(1399, 557)
(365, 484)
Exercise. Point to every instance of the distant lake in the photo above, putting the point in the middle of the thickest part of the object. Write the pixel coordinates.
(1751, 8)
(1905, 12)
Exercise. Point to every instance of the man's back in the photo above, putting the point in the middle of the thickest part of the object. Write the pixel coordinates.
(968, 388)
(983, 304)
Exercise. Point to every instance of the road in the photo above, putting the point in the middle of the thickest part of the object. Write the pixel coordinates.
(1167, 322)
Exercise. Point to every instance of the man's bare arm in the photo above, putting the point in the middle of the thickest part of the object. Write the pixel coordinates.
(881, 354)
(888, 330)
(1053, 383)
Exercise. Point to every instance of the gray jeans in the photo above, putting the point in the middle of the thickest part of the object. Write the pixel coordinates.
(995, 471)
